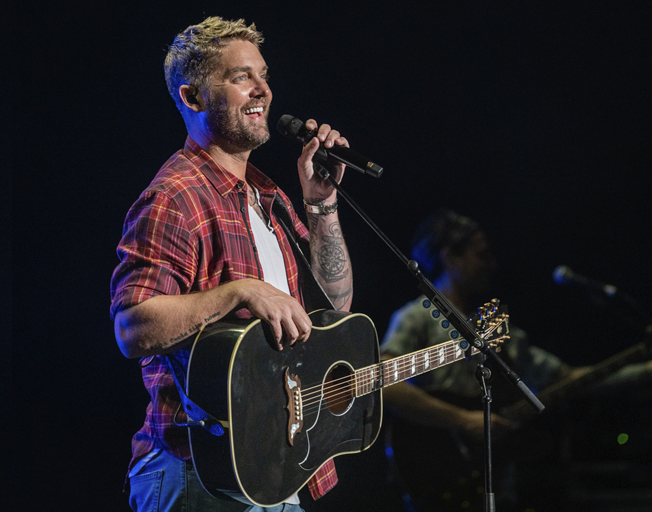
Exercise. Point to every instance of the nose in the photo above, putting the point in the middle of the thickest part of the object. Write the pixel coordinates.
(261, 88)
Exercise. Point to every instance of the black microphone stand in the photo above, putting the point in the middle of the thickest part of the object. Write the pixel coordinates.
(483, 374)
(486, 377)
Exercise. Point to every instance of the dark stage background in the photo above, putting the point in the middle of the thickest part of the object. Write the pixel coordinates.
(531, 117)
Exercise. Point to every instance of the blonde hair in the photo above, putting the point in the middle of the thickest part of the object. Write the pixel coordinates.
(194, 54)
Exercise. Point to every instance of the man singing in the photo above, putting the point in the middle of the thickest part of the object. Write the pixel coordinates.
(201, 242)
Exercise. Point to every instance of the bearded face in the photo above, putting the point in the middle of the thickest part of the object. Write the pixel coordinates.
(233, 124)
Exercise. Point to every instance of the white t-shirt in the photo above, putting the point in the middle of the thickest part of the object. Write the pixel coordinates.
(271, 259)
(269, 251)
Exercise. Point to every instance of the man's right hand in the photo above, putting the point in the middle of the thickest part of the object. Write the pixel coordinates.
(159, 324)
(284, 314)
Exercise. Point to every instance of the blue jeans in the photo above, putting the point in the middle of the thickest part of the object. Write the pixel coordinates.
(168, 484)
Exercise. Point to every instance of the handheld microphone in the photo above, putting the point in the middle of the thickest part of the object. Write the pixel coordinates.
(295, 129)
(563, 275)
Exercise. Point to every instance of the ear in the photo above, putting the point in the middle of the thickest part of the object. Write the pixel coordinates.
(191, 98)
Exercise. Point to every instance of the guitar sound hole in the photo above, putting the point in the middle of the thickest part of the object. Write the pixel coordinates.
(338, 393)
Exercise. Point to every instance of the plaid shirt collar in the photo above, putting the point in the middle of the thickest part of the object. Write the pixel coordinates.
(220, 178)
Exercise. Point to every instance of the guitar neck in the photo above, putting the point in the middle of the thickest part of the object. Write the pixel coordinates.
(390, 372)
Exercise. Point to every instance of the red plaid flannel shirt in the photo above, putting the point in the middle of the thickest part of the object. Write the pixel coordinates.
(189, 231)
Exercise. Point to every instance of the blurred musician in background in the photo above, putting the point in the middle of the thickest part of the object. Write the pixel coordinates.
(437, 438)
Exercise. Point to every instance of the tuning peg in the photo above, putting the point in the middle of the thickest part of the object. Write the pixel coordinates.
(489, 306)
(496, 304)
(482, 312)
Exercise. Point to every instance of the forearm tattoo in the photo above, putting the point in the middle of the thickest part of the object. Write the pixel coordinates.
(329, 253)
(195, 328)
(339, 299)
(184, 335)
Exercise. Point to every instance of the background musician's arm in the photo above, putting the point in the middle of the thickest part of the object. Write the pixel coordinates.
(415, 405)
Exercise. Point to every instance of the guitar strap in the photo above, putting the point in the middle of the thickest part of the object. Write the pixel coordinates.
(314, 298)
(198, 415)
(312, 292)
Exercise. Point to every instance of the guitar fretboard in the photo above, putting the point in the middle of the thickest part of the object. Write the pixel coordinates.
(378, 376)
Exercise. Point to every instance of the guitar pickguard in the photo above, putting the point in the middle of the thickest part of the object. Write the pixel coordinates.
(335, 398)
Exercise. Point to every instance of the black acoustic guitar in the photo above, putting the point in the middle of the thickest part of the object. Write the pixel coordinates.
(288, 412)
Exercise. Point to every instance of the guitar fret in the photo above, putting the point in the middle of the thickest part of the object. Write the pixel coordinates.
(367, 380)
(376, 377)
(402, 368)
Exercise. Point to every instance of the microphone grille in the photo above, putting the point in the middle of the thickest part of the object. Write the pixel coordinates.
(289, 126)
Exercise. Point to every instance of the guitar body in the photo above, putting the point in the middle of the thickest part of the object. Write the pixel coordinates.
(236, 376)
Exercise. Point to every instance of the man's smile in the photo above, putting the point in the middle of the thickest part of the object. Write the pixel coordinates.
(255, 112)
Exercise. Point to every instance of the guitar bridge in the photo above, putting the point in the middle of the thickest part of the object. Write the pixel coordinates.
(294, 406)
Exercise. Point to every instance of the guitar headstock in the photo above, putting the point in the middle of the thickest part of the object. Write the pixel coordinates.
(492, 323)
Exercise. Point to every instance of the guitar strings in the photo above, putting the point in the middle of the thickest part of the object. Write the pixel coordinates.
(403, 361)
(365, 377)
(341, 390)
(344, 393)
(406, 361)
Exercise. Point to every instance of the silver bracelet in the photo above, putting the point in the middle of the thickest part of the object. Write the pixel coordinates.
(321, 209)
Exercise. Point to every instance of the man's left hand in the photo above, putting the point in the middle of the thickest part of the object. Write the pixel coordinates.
(316, 189)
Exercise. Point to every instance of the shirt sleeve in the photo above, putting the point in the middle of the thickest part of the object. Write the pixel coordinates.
(158, 253)
(405, 333)
(537, 367)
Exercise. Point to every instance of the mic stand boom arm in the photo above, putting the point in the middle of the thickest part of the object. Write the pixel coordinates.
(483, 373)
(429, 290)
